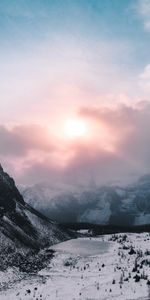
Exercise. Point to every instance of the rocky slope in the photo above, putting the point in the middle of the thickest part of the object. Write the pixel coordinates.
(21, 226)
(101, 205)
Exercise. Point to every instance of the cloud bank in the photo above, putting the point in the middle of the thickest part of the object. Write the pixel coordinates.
(117, 148)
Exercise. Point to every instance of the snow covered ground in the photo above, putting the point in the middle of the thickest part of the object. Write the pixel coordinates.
(122, 271)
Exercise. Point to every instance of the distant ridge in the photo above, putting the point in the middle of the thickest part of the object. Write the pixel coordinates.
(104, 205)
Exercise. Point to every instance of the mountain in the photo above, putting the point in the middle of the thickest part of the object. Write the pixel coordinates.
(115, 205)
(21, 226)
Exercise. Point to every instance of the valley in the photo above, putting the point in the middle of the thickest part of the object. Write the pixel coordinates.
(42, 259)
(120, 271)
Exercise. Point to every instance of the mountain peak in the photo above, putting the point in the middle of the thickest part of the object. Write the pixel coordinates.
(9, 194)
(1, 169)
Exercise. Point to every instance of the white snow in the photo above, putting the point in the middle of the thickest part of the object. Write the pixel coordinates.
(102, 276)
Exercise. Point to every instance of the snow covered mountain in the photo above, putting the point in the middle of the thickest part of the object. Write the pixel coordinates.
(20, 224)
(101, 205)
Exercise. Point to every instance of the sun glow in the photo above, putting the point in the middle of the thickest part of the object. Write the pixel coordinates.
(75, 128)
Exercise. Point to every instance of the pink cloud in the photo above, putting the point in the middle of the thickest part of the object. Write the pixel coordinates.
(20, 140)
(36, 155)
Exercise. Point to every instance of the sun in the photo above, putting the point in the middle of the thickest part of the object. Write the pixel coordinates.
(75, 128)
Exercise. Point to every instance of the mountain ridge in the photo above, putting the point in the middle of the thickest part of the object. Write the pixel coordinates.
(116, 205)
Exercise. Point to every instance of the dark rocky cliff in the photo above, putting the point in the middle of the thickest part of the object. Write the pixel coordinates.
(9, 194)
(22, 225)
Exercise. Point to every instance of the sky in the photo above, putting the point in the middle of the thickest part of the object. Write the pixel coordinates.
(80, 62)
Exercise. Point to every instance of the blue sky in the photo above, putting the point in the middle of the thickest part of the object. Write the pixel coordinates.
(33, 22)
(26, 26)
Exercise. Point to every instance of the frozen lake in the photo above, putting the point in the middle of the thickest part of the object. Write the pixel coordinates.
(76, 272)
(82, 247)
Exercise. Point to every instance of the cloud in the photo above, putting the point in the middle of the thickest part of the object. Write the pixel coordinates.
(131, 126)
(21, 139)
(144, 79)
(143, 9)
(117, 148)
